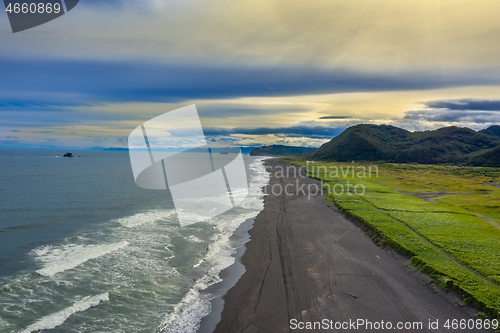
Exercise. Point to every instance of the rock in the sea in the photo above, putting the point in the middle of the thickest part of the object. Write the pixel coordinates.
(68, 155)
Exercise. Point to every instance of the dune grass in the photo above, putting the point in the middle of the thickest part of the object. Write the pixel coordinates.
(430, 214)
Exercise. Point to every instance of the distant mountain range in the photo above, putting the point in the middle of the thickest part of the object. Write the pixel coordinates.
(280, 150)
(453, 145)
(244, 150)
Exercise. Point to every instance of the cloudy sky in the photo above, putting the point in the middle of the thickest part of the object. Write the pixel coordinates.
(259, 71)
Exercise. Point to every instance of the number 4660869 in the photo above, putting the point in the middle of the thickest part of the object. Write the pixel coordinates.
(33, 8)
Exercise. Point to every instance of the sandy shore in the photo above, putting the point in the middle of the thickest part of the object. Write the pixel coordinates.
(305, 261)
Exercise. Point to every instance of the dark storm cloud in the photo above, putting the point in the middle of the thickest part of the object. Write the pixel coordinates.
(453, 116)
(465, 104)
(457, 110)
(334, 117)
(105, 81)
(318, 132)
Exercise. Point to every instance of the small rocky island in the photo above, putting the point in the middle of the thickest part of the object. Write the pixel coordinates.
(68, 155)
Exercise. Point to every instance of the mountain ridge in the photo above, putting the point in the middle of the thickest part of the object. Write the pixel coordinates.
(455, 145)
(280, 150)
(492, 130)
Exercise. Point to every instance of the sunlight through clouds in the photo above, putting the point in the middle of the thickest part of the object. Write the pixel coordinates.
(260, 64)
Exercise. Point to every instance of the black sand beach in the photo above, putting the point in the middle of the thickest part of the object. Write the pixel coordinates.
(306, 261)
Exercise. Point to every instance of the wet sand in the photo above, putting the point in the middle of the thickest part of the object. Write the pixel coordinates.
(306, 262)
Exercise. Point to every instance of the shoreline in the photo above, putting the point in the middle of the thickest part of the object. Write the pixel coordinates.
(229, 276)
(305, 261)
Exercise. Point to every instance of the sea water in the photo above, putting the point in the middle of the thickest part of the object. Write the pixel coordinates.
(83, 249)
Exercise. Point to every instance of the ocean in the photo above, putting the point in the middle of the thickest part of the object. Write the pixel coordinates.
(84, 249)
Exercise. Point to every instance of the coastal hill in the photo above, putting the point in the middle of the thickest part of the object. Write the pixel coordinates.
(280, 150)
(492, 130)
(456, 145)
(488, 158)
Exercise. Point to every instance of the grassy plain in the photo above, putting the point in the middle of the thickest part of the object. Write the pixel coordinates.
(446, 218)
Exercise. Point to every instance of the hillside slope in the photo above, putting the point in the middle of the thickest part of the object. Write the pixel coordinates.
(488, 158)
(492, 130)
(391, 144)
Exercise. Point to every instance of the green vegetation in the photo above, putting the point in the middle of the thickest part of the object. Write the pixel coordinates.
(447, 145)
(492, 130)
(446, 218)
(454, 145)
(490, 157)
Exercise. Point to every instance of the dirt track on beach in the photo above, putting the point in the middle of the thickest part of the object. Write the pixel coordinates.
(306, 261)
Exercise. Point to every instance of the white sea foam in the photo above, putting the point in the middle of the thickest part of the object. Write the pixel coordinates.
(194, 239)
(188, 313)
(63, 258)
(147, 217)
(3, 323)
(194, 306)
(58, 318)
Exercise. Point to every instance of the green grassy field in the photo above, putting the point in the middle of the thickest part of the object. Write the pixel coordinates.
(446, 218)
